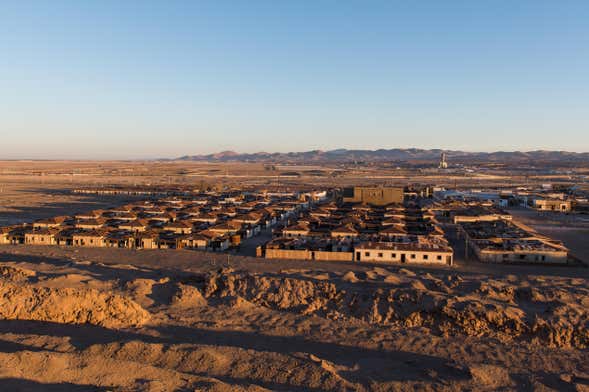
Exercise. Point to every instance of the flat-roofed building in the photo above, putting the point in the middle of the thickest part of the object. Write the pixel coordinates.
(89, 215)
(147, 240)
(399, 252)
(16, 235)
(479, 214)
(180, 227)
(44, 236)
(91, 224)
(206, 218)
(345, 231)
(377, 196)
(526, 250)
(50, 222)
(196, 241)
(89, 238)
(508, 242)
(126, 216)
(298, 230)
(120, 239)
(5, 235)
(552, 205)
(136, 226)
(225, 228)
(217, 241)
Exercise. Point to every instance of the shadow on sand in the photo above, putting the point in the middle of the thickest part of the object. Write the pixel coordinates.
(366, 364)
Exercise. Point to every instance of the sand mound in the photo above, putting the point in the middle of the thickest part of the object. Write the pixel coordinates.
(381, 271)
(490, 310)
(232, 362)
(392, 279)
(323, 276)
(406, 272)
(239, 303)
(69, 305)
(15, 274)
(279, 293)
(490, 376)
(188, 296)
(350, 276)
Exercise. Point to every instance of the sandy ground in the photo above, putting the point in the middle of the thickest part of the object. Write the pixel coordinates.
(24, 200)
(98, 173)
(117, 319)
(123, 320)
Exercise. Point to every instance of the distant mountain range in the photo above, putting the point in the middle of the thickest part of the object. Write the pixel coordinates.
(395, 154)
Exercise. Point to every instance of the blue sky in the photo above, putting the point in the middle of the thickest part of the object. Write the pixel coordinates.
(126, 79)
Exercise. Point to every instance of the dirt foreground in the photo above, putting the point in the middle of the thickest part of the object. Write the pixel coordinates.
(86, 325)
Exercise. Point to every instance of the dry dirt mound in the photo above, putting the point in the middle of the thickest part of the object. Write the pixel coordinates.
(165, 291)
(188, 296)
(497, 309)
(297, 369)
(350, 276)
(15, 274)
(490, 376)
(69, 305)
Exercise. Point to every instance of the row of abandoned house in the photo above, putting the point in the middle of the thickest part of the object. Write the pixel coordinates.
(209, 222)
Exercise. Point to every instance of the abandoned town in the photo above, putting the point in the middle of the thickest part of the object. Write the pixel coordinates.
(374, 224)
(294, 196)
(200, 275)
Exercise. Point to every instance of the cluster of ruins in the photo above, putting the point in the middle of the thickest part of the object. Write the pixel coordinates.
(209, 221)
(395, 232)
(359, 224)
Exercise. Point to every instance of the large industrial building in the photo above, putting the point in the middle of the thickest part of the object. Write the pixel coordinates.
(376, 196)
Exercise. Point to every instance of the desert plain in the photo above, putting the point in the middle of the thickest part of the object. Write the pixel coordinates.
(181, 320)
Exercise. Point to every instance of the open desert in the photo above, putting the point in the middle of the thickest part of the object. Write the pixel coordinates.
(161, 320)
(128, 321)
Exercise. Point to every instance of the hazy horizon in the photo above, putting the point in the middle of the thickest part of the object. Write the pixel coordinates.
(156, 158)
(147, 80)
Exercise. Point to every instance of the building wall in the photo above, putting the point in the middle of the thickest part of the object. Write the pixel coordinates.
(294, 233)
(552, 205)
(479, 218)
(519, 257)
(378, 196)
(195, 244)
(287, 254)
(343, 235)
(396, 256)
(332, 256)
(136, 229)
(148, 243)
(39, 239)
(304, 254)
(89, 242)
(64, 241)
(218, 245)
(119, 244)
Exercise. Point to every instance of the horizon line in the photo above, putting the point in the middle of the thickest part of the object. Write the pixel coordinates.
(177, 157)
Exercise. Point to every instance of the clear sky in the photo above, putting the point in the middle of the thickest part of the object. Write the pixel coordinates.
(145, 79)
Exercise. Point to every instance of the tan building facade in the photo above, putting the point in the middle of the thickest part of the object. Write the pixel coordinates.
(42, 237)
(553, 205)
(377, 196)
(398, 253)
